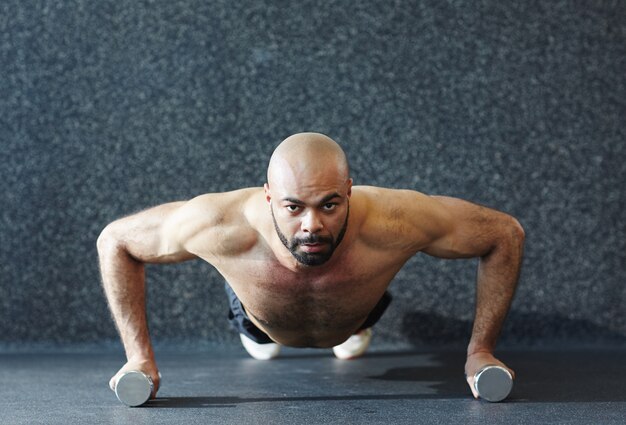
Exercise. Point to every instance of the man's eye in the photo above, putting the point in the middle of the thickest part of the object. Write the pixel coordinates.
(329, 207)
(292, 208)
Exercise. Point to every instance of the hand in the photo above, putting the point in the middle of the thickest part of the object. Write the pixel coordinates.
(477, 361)
(147, 366)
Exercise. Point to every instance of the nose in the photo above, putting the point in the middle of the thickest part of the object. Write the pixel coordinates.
(311, 223)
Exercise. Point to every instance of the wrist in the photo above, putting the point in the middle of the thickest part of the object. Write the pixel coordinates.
(474, 349)
(475, 353)
(140, 355)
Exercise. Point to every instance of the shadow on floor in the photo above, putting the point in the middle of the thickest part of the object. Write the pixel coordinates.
(541, 377)
(215, 402)
(446, 378)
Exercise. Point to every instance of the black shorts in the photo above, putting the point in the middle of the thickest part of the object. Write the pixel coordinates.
(240, 321)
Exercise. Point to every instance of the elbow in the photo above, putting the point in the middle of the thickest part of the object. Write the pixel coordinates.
(516, 232)
(108, 239)
(509, 239)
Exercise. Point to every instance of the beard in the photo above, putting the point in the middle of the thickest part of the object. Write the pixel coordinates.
(312, 258)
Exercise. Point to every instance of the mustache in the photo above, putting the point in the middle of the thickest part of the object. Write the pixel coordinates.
(312, 239)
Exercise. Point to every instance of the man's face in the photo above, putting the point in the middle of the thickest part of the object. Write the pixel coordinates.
(311, 223)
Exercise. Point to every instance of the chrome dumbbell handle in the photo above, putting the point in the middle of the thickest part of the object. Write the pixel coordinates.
(134, 388)
(493, 383)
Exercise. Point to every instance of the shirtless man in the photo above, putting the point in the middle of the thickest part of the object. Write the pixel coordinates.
(309, 255)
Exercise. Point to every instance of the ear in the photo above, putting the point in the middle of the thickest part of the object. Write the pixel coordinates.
(268, 196)
(349, 184)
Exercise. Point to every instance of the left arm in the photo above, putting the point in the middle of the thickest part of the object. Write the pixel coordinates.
(468, 230)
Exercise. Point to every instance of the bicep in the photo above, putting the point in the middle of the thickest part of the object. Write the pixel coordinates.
(466, 230)
(150, 236)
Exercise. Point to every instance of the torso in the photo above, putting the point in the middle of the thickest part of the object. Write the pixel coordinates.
(316, 306)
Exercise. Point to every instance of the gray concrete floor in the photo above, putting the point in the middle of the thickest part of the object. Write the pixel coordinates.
(309, 386)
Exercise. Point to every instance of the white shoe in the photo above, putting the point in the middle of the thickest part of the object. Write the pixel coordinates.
(354, 346)
(260, 351)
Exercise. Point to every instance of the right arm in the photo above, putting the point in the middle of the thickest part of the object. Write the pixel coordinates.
(124, 246)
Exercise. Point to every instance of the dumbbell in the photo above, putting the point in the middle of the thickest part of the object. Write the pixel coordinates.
(493, 383)
(133, 388)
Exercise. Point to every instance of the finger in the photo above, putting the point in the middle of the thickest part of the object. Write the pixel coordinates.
(470, 382)
(156, 384)
(112, 383)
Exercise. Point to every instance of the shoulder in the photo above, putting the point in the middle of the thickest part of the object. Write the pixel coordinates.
(218, 204)
(395, 203)
(207, 222)
(215, 208)
(401, 218)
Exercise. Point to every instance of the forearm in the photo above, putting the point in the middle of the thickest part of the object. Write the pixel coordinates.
(123, 280)
(498, 274)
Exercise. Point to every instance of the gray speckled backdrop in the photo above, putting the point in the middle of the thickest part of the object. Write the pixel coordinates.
(107, 107)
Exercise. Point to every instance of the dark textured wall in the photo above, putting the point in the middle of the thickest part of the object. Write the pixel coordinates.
(108, 107)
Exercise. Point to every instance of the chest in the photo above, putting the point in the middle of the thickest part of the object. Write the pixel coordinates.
(321, 297)
(260, 272)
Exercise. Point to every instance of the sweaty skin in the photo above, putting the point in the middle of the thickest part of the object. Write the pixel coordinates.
(309, 255)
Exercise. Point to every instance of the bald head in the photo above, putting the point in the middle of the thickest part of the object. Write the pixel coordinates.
(308, 192)
(307, 157)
